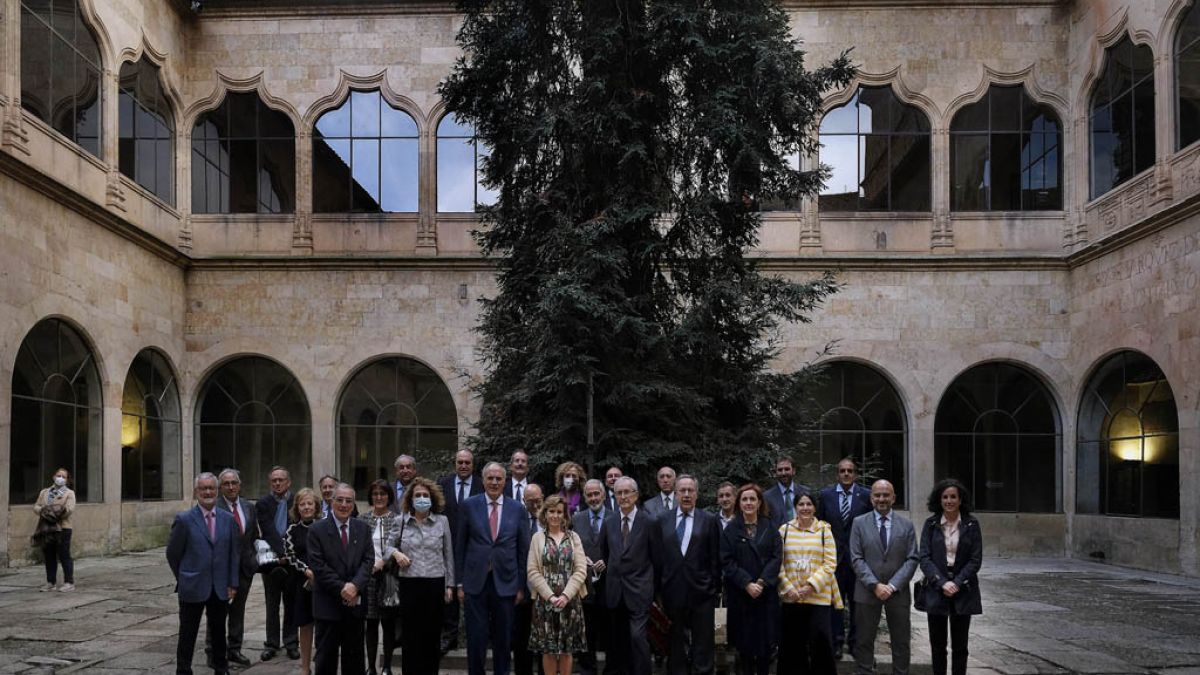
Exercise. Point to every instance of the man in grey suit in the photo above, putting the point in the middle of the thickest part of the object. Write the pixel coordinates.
(242, 510)
(883, 552)
(588, 524)
(664, 500)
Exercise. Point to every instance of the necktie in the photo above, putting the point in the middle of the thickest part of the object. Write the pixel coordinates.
(624, 530)
(345, 539)
(533, 524)
(211, 516)
(462, 487)
(595, 523)
(667, 502)
(237, 517)
(494, 519)
(520, 493)
(845, 505)
(883, 538)
(788, 504)
(681, 530)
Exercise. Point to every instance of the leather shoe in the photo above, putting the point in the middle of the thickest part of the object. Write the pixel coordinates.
(268, 654)
(293, 653)
(239, 658)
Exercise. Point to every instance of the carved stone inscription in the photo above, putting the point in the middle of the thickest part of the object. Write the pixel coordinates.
(1160, 273)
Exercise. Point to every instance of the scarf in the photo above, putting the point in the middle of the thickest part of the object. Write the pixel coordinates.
(55, 492)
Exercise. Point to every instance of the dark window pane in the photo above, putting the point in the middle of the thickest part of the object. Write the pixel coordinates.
(908, 118)
(1006, 108)
(87, 107)
(1123, 131)
(63, 20)
(36, 65)
(63, 88)
(273, 123)
(199, 193)
(875, 106)
(969, 172)
(165, 168)
(973, 117)
(1188, 70)
(995, 462)
(1118, 69)
(243, 121)
(277, 176)
(910, 173)
(243, 179)
(1006, 172)
(1142, 63)
(1189, 29)
(1123, 139)
(331, 176)
(1160, 477)
(399, 175)
(874, 173)
(1143, 125)
(1037, 474)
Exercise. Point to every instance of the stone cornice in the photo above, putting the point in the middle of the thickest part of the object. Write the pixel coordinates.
(1149, 226)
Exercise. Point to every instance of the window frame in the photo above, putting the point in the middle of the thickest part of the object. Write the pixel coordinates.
(165, 119)
(1130, 92)
(479, 152)
(158, 366)
(201, 160)
(1177, 52)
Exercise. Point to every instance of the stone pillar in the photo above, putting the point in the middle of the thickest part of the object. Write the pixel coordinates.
(941, 239)
(302, 238)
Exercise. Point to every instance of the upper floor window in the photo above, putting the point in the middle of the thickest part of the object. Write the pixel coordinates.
(146, 152)
(60, 70)
(1004, 154)
(1122, 116)
(365, 157)
(1187, 72)
(243, 158)
(459, 156)
(878, 149)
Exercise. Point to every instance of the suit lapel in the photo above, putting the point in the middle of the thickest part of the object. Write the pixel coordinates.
(198, 518)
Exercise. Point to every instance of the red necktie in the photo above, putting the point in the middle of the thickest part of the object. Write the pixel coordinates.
(237, 517)
(345, 542)
(494, 520)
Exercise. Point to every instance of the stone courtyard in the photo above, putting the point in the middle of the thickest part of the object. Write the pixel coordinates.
(1041, 616)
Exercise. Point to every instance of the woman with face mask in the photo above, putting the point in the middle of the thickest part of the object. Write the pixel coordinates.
(424, 555)
(569, 479)
(54, 507)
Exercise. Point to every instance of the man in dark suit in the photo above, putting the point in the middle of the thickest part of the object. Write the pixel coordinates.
(589, 524)
(340, 555)
(839, 504)
(518, 476)
(271, 512)
(690, 579)
(406, 471)
(457, 488)
(491, 547)
(327, 485)
(522, 659)
(782, 497)
(628, 543)
(883, 551)
(664, 500)
(610, 483)
(202, 551)
(242, 511)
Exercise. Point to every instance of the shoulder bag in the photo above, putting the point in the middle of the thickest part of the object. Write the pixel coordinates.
(390, 583)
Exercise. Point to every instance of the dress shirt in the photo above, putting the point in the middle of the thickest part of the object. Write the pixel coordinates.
(236, 507)
(725, 521)
(465, 484)
(281, 509)
(399, 490)
(687, 528)
(499, 509)
(664, 496)
(950, 532)
(519, 485)
(428, 545)
(887, 528)
(210, 513)
(632, 517)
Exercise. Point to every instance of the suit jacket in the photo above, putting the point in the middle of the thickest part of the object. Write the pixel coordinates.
(476, 554)
(264, 511)
(508, 485)
(630, 566)
(775, 501)
(873, 565)
(829, 509)
(449, 485)
(203, 566)
(246, 537)
(691, 579)
(654, 505)
(334, 566)
(581, 523)
(968, 559)
(610, 501)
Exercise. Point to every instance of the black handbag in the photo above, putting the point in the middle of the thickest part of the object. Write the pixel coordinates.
(389, 584)
(919, 594)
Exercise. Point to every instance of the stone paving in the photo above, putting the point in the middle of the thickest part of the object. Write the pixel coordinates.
(1041, 616)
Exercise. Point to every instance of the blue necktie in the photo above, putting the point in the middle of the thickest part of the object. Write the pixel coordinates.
(846, 506)
(681, 530)
(883, 539)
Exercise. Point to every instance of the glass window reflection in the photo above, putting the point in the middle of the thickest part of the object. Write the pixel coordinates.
(459, 168)
(1122, 116)
(365, 158)
(61, 70)
(243, 158)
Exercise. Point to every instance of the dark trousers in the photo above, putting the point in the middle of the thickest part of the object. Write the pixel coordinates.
(59, 552)
(450, 612)
(630, 648)
(806, 645)
(189, 627)
(694, 654)
(389, 640)
(419, 653)
(897, 609)
(753, 664)
(960, 625)
(844, 631)
(278, 591)
(237, 618)
(522, 658)
(596, 625)
(489, 615)
(345, 637)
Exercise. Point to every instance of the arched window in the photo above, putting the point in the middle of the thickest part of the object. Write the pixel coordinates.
(251, 415)
(151, 445)
(861, 417)
(1128, 454)
(1187, 73)
(365, 157)
(243, 158)
(56, 414)
(459, 167)
(393, 406)
(997, 430)
(1122, 117)
(146, 152)
(60, 70)
(878, 148)
(1004, 154)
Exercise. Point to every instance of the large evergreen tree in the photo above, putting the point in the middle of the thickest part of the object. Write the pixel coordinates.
(631, 142)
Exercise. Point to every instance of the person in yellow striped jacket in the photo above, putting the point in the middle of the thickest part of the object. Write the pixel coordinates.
(809, 591)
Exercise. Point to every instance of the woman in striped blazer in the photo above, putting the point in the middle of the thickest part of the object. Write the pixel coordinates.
(809, 591)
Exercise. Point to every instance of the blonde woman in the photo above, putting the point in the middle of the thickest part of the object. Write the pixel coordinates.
(809, 591)
(556, 570)
(569, 478)
(54, 507)
(305, 511)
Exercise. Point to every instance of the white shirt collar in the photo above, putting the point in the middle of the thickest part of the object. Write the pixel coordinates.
(878, 517)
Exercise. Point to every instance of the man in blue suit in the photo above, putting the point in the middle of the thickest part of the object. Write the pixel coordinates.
(341, 555)
(839, 505)
(203, 554)
(781, 499)
(491, 546)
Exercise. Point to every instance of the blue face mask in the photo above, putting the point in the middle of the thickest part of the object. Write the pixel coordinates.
(422, 504)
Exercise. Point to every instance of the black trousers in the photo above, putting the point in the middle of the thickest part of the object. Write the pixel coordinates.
(237, 618)
(596, 625)
(344, 638)
(450, 613)
(695, 654)
(59, 552)
(844, 632)
(630, 648)
(189, 627)
(805, 644)
(278, 591)
(522, 658)
(419, 637)
(960, 626)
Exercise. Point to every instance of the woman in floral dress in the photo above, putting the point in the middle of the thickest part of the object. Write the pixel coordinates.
(556, 569)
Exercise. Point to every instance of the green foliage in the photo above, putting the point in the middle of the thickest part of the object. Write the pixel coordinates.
(631, 141)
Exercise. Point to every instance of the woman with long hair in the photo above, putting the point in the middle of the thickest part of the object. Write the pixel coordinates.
(751, 553)
(424, 553)
(54, 507)
(384, 526)
(305, 511)
(809, 591)
(557, 570)
(951, 555)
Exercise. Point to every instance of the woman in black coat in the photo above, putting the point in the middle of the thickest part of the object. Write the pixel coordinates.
(951, 555)
(750, 555)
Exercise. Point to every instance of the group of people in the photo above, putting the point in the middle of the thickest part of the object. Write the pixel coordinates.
(590, 566)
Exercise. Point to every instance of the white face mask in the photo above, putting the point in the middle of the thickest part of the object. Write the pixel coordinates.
(59, 481)
(568, 482)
